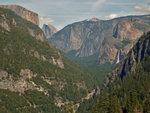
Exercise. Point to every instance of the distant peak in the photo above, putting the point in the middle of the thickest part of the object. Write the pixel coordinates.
(50, 26)
(49, 30)
(94, 20)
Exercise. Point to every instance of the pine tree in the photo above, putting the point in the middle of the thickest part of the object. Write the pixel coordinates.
(114, 105)
(104, 103)
(147, 105)
(132, 101)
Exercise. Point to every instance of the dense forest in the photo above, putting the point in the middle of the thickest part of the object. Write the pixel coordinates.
(130, 95)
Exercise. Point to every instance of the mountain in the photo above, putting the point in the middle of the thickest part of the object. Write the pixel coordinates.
(127, 88)
(34, 75)
(24, 13)
(101, 39)
(49, 30)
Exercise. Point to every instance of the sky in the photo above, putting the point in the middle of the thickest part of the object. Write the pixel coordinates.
(63, 12)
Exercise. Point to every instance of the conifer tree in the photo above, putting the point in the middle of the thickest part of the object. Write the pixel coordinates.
(114, 105)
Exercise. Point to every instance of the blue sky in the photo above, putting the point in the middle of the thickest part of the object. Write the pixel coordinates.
(63, 12)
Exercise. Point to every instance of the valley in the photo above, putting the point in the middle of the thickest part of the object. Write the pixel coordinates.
(90, 66)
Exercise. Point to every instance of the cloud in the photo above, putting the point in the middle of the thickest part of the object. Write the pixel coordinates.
(115, 15)
(97, 4)
(111, 16)
(141, 9)
(46, 20)
(120, 4)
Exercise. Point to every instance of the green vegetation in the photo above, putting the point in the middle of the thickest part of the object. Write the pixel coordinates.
(131, 95)
(30, 102)
(90, 65)
(17, 49)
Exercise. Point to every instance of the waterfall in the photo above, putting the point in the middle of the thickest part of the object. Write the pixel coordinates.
(118, 57)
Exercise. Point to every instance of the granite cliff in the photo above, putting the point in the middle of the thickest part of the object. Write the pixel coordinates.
(49, 30)
(24, 13)
(102, 39)
(26, 25)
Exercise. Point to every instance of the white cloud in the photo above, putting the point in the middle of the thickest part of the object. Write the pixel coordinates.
(97, 4)
(46, 20)
(141, 9)
(115, 15)
(111, 16)
(120, 4)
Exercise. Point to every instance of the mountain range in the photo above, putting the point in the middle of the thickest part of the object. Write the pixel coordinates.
(106, 41)
(37, 77)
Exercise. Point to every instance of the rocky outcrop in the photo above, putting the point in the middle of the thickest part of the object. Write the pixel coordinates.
(135, 56)
(125, 30)
(104, 38)
(58, 62)
(13, 20)
(24, 13)
(21, 85)
(3, 75)
(94, 20)
(49, 30)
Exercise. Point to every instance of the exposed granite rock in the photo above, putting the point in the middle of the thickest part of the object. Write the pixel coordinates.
(125, 30)
(24, 13)
(3, 75)
(21, 85)
(38, 36)
(60, 63)
(49, 30)
(7, 22)
(4, 23)
(94, 20)
(27, 74)
(104, 38)
(107, 54)
(47, 80)
(53, 60)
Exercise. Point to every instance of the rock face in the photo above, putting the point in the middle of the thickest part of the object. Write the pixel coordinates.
(49, 30)
(7, 21)
(94, 20)
(105, 38)
(24, 13)
(135, 56)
